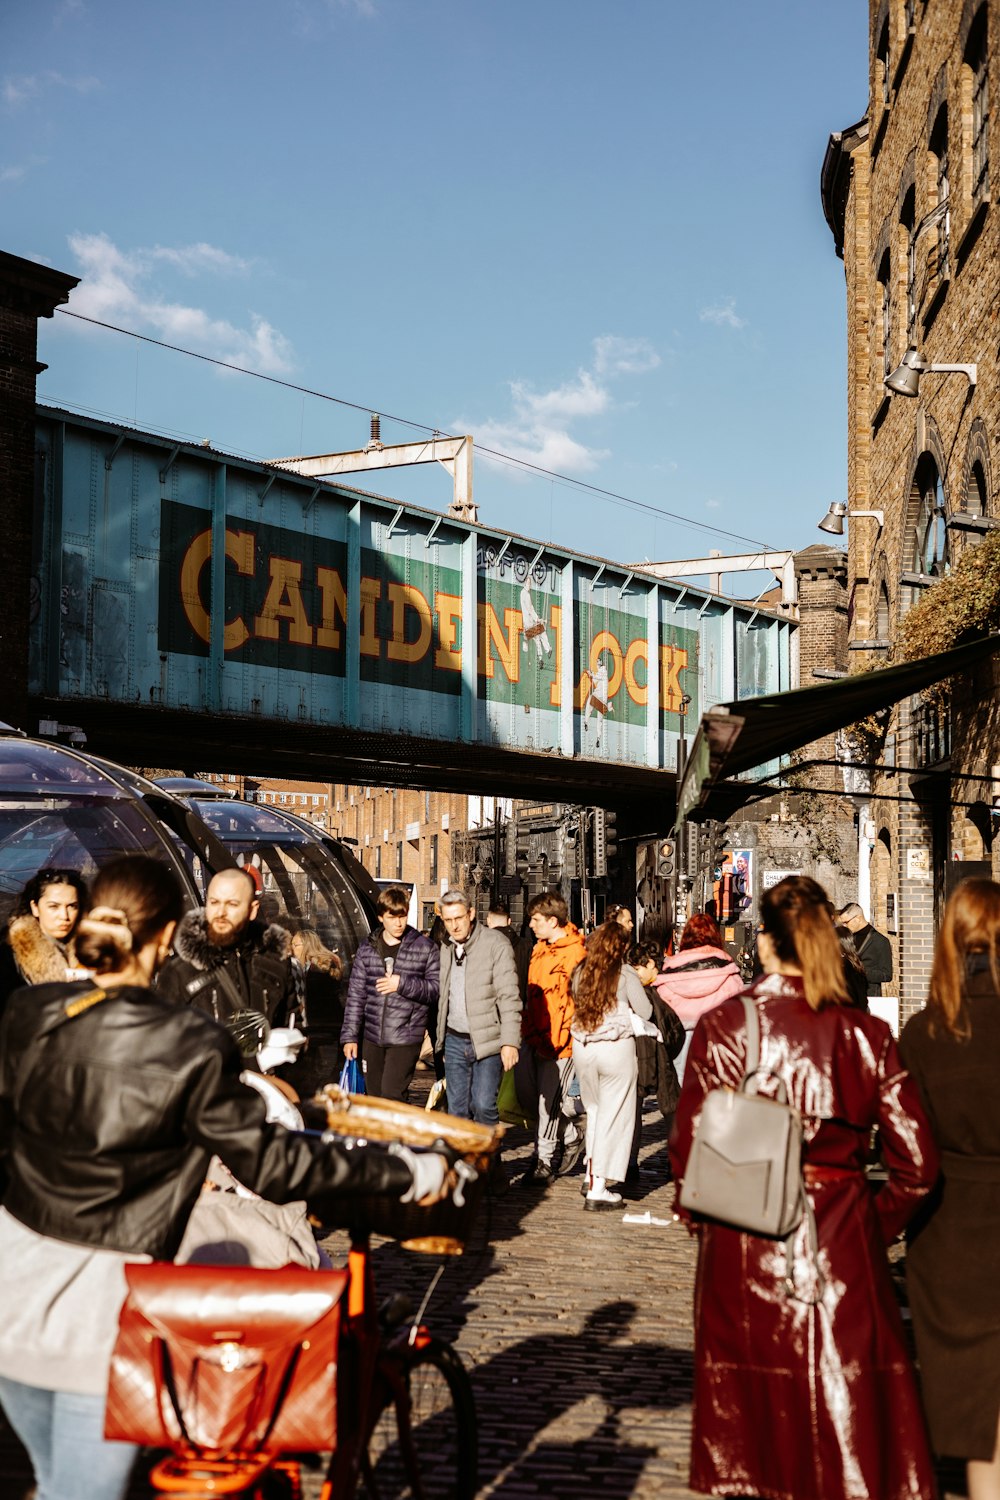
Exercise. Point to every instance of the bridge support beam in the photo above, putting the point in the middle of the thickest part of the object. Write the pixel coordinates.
(27, 292)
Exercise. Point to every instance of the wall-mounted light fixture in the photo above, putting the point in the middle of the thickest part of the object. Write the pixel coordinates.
(833, 521)
(905, 378)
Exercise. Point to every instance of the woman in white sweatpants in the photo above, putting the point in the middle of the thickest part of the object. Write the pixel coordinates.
(606, 994)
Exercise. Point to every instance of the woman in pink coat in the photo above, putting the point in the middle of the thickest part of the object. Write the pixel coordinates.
(698, 977)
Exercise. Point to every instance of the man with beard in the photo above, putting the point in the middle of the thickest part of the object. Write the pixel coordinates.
(230, 965)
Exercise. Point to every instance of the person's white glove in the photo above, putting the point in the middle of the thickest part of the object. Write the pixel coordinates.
(432, 1176)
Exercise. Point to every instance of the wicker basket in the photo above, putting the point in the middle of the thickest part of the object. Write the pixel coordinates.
(443, 1228)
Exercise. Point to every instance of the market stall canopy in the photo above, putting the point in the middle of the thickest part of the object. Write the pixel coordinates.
(735, 737)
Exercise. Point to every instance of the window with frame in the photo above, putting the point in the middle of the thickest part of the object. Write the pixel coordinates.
(977, 61)
(432, 868)
(929, 548)
(885, 292)
(399, 861)
(882, 80)
(942, 188)
(907, 219)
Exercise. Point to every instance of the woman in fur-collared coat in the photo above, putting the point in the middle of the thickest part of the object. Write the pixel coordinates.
(37, 946)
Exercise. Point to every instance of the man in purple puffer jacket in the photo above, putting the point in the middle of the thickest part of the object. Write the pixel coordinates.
(393, 984)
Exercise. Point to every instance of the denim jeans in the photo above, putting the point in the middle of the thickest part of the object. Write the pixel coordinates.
(64, 1436)
(472, 1082)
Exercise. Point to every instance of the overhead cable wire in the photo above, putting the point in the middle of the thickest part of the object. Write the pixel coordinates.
(494, 453)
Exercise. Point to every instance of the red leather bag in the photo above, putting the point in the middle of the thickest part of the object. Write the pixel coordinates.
(227, 1360)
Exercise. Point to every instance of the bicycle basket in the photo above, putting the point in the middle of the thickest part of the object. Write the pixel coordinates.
(443, 1228)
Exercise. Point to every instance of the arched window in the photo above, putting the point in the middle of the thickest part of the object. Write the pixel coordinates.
(975, 493)
(928, 536)
(976, 62)
(882, 82)
(940, 169)
(883, 631)
(885, 292)
(907, 220)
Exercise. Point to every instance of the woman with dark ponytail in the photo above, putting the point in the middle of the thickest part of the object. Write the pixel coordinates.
(112, 1103)
(803, 1385)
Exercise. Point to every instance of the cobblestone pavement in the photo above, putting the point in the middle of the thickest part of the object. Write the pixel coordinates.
(576, 1328)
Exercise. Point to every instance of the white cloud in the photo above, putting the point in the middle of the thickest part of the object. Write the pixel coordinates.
(723, 314)
(538, 429)
(12, 174)
(18, 90)
(115, 289)
(618, 356)
(191, 260)
(713, 504)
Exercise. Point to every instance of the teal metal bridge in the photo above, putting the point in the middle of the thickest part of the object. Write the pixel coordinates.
(191, 608)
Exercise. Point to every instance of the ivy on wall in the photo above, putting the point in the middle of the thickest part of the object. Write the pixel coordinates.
(957, 608)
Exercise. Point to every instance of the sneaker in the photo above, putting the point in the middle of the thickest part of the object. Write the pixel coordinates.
(572, 1157)
(602, 1200)
(539, 1175)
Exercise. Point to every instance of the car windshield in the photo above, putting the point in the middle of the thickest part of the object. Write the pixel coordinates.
(300, 875)
(72, 832)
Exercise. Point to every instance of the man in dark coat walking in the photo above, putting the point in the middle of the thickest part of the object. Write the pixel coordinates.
(230, 965)
(874, 948)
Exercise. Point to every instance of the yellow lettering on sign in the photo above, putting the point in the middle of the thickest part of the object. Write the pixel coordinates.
(603, 642)
(503, 637)
(449, 612)
(239, 549)
(333, 602)
(403, 596)
(673, 660)
(637, 652)
(284, 602)
(555, 688)
(371, 593)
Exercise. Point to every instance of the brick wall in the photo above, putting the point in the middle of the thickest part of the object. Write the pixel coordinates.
(939, 285)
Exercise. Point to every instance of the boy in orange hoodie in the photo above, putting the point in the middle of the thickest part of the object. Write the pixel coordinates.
(546, 1064)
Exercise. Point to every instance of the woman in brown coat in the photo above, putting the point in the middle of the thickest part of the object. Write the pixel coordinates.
(952, 1048)
(806, 1392)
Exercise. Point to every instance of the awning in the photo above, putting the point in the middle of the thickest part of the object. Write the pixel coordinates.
(735, 737)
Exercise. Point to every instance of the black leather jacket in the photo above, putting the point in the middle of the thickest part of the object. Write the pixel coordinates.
(108, 1120)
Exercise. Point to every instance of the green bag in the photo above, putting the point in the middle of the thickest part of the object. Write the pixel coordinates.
(509, 1106)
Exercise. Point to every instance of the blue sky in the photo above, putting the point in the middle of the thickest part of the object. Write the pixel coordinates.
(586, 231)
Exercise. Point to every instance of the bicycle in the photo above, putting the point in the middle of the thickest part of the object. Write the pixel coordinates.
(405, 1410)
(406, 1416)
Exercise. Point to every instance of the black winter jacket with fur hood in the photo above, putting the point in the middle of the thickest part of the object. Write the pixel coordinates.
(257, 967)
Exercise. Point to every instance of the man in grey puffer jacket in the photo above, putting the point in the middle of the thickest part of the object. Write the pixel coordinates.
(479, 1012)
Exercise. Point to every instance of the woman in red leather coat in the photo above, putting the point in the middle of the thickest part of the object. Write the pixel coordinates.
(809, 1396)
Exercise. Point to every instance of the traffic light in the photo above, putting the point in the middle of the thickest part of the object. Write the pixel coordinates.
(600, 842)
(665, 860)
(574, 851)
(610, 836)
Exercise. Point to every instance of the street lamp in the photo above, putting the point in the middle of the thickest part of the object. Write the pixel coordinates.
(905, 378)
(838, 513)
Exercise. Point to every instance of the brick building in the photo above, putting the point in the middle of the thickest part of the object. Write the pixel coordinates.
(907, 194)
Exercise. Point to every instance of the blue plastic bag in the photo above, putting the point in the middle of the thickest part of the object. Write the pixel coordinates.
(352, 1080)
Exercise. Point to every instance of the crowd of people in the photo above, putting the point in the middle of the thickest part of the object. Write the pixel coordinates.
(129, 1032)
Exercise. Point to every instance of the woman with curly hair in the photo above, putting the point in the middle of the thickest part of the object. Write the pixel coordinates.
(606, 996)
(699, 976)
(952, 1050)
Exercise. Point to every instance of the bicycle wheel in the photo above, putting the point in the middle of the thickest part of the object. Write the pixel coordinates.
(424, 1444)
